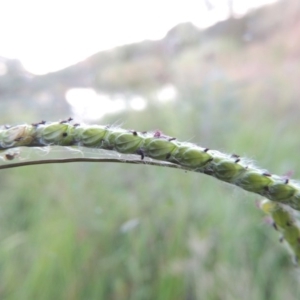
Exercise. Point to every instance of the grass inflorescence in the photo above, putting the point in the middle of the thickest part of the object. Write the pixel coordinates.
(284, 221)
(168, 242)
(229, 168)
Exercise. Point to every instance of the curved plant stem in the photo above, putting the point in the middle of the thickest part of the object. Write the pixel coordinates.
(155, 148)
(229, 168)
(93, 160)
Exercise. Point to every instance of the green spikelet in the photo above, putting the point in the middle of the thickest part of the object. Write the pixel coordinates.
(159, 148)
(110, 138)
(89, 136)
(285, 223)
(282, 192)
(228, 171)
(55, 134)
(191, 157)
(128, 142)
(254, 182)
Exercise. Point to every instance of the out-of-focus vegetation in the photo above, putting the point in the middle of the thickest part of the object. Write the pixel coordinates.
(102, 231)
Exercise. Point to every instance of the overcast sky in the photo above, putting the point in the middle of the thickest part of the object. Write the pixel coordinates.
(50, 35)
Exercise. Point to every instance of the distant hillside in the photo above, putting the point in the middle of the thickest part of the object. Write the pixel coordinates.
(242, 48)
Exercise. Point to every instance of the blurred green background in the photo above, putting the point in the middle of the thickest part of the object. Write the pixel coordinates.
(108, 231)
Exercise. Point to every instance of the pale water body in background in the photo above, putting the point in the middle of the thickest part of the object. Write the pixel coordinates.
(87, 105)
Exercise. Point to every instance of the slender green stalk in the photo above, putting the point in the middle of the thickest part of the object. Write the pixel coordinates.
(89, 159)
(229, 168)
(285, 222)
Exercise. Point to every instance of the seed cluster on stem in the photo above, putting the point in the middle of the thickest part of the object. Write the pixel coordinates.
(284, 221)
(232, 169)
(229, 168)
